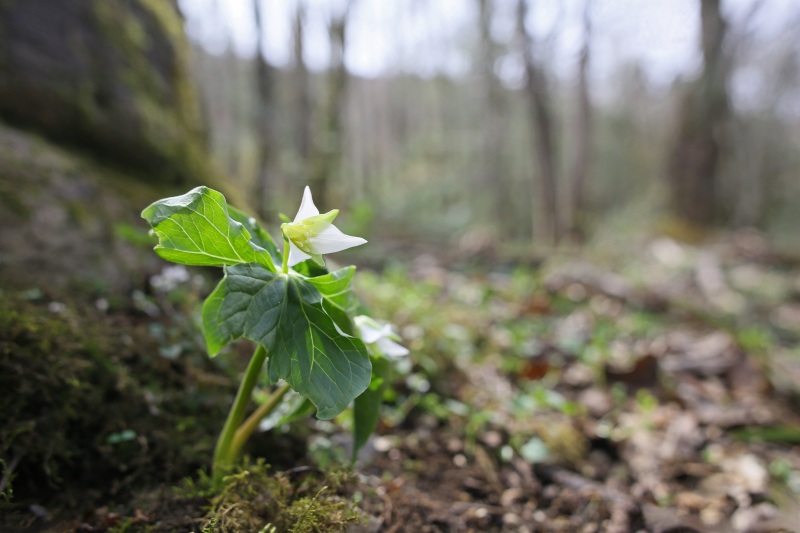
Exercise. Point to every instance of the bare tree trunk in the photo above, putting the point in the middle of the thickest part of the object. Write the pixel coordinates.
(328, 146)
(542, 121)
(749, 207)
(583, 134)
(264, 94)
(491, 163)
(704, 110)
(302, 89)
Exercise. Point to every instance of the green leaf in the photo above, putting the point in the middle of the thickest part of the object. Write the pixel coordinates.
(310, 269)
(285, 314)
(338, 298)
(367, 407)
(329, 368)
(196, 229)
(258, 235)
(248, 303)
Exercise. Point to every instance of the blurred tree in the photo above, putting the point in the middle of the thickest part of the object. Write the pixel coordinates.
(583, 134)
(703, 111)
(491, 165)
(303, 124)
(265, 82)
(536, 90)
(326, 158)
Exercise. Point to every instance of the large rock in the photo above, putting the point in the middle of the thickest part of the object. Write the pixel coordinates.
(109, 76)
(68, 222)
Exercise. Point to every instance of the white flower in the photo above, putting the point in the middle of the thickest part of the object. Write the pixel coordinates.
(312, 235)
(380, 335)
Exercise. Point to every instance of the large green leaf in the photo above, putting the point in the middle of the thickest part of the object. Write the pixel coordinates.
(338, 298)
(285, 314)
(319, 362)
(248, 303)
(196, 229)
(258, 235)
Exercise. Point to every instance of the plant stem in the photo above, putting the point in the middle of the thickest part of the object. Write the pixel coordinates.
(285, 255)
(223, 456)
(249, 426)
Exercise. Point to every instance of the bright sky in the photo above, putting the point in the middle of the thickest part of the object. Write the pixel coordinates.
(431, 36)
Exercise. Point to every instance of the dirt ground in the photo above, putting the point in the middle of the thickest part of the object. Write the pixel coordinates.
(661, 398)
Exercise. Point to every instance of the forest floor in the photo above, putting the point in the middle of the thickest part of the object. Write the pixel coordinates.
(657, 391)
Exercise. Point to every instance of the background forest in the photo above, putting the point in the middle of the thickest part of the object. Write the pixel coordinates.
(518, 120)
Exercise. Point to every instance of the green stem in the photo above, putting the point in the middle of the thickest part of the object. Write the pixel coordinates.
(223, 456)
(249, 426)
(285, 255)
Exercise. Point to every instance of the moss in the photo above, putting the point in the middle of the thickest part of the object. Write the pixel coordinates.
(172, 25)
(257, 500)
(82, 406)
(160, 85)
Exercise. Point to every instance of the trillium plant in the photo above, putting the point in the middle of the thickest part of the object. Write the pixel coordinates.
(301, 317)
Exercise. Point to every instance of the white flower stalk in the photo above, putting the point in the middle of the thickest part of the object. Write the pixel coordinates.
(379, 335)
(312, 235)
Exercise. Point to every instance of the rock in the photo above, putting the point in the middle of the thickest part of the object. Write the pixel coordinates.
(108, 76)
(69, 223)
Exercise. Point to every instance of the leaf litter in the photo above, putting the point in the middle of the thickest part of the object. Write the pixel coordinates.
(660, 397)
(659, 394)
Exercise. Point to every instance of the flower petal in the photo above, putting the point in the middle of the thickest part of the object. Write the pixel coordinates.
(307, 207)
(296, 255)
(369, 330)
(391, 348)
(331, 240)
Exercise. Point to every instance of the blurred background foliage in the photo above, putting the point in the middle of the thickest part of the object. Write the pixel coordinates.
(531, 121)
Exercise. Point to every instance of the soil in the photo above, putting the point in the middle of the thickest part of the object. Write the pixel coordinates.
(667, 406)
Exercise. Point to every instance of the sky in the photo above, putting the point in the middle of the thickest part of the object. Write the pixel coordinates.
(431, 36)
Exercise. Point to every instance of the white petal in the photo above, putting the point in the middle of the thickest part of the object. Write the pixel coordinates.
(331, 240)
(369, 334)
(296, 255)
(307, 207)
(391, 348)
(367, 328)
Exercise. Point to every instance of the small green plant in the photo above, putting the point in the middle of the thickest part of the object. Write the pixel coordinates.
(301, 316)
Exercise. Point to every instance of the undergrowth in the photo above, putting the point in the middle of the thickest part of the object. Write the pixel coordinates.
(297, 501)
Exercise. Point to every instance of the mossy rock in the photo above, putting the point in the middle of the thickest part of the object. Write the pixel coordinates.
(93, 413)
(89, 403)
(109, 76)
(69, 222)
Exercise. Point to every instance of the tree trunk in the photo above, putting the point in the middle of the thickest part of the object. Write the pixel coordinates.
(491, 163)
(303, 124)
(583, 135)
(328, 146)
(264, 95)
(547, 226)
(703, 112)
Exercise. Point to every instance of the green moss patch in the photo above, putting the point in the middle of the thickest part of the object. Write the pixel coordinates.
(91, 411)
(254, 499)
